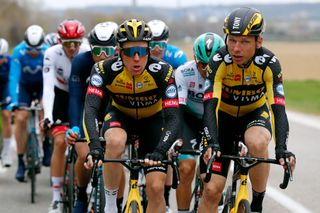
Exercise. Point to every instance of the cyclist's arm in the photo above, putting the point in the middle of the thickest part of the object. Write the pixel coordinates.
(48, 84)
(170, 109)
(276, 101)
(14, 75)
(77, 90)
(211, 100)
(94, 96)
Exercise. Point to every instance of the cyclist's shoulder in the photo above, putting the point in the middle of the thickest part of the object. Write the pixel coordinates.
(110, 66)
(158, 67)
(187, 69)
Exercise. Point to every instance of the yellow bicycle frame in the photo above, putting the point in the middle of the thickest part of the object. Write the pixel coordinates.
(133, 196)
(242, 194)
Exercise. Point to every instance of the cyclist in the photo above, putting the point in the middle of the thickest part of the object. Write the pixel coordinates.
(56, 72)
(191, 83)
(51, 39)
(5, 59)
(25, 84)
(247, 77)
(144, 100)
(173, 55)
(103, 43)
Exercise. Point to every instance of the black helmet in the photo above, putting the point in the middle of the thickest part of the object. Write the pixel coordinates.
(244, 21)
(159, 29)
(133, 30)
(104, 34)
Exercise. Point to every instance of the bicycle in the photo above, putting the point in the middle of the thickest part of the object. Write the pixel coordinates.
(239, 201)
(134, 203)
(32, 147)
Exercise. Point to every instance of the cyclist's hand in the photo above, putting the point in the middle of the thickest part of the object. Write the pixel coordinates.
(45, 124)
(209, 150)
(282, 154)
(72, 135)
(153, 159)
(93, 156)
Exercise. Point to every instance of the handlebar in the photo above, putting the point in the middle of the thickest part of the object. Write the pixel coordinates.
(248, 162)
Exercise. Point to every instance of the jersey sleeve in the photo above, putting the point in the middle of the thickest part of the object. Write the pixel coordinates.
(170, 106)
(48, 84)
(14, 75)
(212, 98)
(276, 101)
(77, 90)
(181, 86)
(94, 96)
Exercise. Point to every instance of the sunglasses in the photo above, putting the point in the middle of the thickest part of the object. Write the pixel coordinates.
(33, 49)
(160, 44)
(98, 50)
(132, 51)
(69, 43)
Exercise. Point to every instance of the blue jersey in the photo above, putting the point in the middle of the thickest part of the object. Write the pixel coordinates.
(25, 70)
(78, 82)
(4, 68)
(174, 56)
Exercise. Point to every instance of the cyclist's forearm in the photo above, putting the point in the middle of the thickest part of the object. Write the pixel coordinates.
(281, 126)
(210, 120)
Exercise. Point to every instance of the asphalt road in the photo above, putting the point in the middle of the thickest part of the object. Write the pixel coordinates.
(301, 196)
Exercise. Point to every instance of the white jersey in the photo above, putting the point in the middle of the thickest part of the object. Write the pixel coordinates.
(56, 72)
(191, 87)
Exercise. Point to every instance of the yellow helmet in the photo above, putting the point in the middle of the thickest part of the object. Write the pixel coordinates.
(133, 30)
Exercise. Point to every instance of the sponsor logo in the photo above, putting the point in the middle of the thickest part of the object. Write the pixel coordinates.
(195, 96)
(249, 95)
(171, 91)
(236, 23)
(117, 66)
(279, 89)
(227, 58)
(115, 124)
(247, 78)
(129, 85)
(280, 101)
(96, 80)
(207, 96)
(136, 101)
(156, 67)
(139, 85)
(192, 84)
(170, 103)
(169, 74)
(216, 166)
(217, 57)
(107, 117)
(237, 77)
(206, 84)
(95, 91)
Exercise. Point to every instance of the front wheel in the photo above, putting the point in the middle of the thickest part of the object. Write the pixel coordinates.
(244, 207)
(134, 208)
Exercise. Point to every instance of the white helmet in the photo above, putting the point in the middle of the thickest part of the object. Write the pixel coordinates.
(159, 29)
(4, 46)
(104, 34)
(34, 36)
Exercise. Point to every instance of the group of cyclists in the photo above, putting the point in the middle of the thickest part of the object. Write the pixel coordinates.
(126, 80)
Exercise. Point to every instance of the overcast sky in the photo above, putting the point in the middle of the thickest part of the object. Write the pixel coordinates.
(63, 4)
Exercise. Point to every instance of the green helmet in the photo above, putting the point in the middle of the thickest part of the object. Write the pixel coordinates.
(206, 45)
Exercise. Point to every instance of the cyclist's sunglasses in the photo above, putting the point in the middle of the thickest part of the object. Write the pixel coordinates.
(160, 44)
(33, 49)
(69, 43)
(98, 50)
(131, 51)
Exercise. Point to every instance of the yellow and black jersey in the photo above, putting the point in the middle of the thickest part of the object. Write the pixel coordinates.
(239, 90)
(135, 96)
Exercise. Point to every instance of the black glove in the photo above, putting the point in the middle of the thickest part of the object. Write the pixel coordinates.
(155, 156)
(97, 154)
(283, 153)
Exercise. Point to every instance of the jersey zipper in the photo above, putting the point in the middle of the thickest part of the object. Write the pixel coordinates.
(134, 93)
(242, 81)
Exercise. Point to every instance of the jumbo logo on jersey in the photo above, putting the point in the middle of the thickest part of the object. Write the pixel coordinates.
(171, 91)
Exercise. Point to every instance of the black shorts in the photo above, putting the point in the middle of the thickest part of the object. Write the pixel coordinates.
(229, 128)
(191, 135)
(147, 130)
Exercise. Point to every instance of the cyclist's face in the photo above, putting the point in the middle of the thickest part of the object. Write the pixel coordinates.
(243, 48)
(135, 56)
(71, 47)
(157, 48)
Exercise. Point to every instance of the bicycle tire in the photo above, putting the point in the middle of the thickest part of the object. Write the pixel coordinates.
(133, 208)
(32, 157)
(227, 201)
(99, 196)
(245, 206)
(71, 186)
(196, 194)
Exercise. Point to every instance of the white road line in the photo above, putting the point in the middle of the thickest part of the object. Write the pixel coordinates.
(307, 120)
(286, 201)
